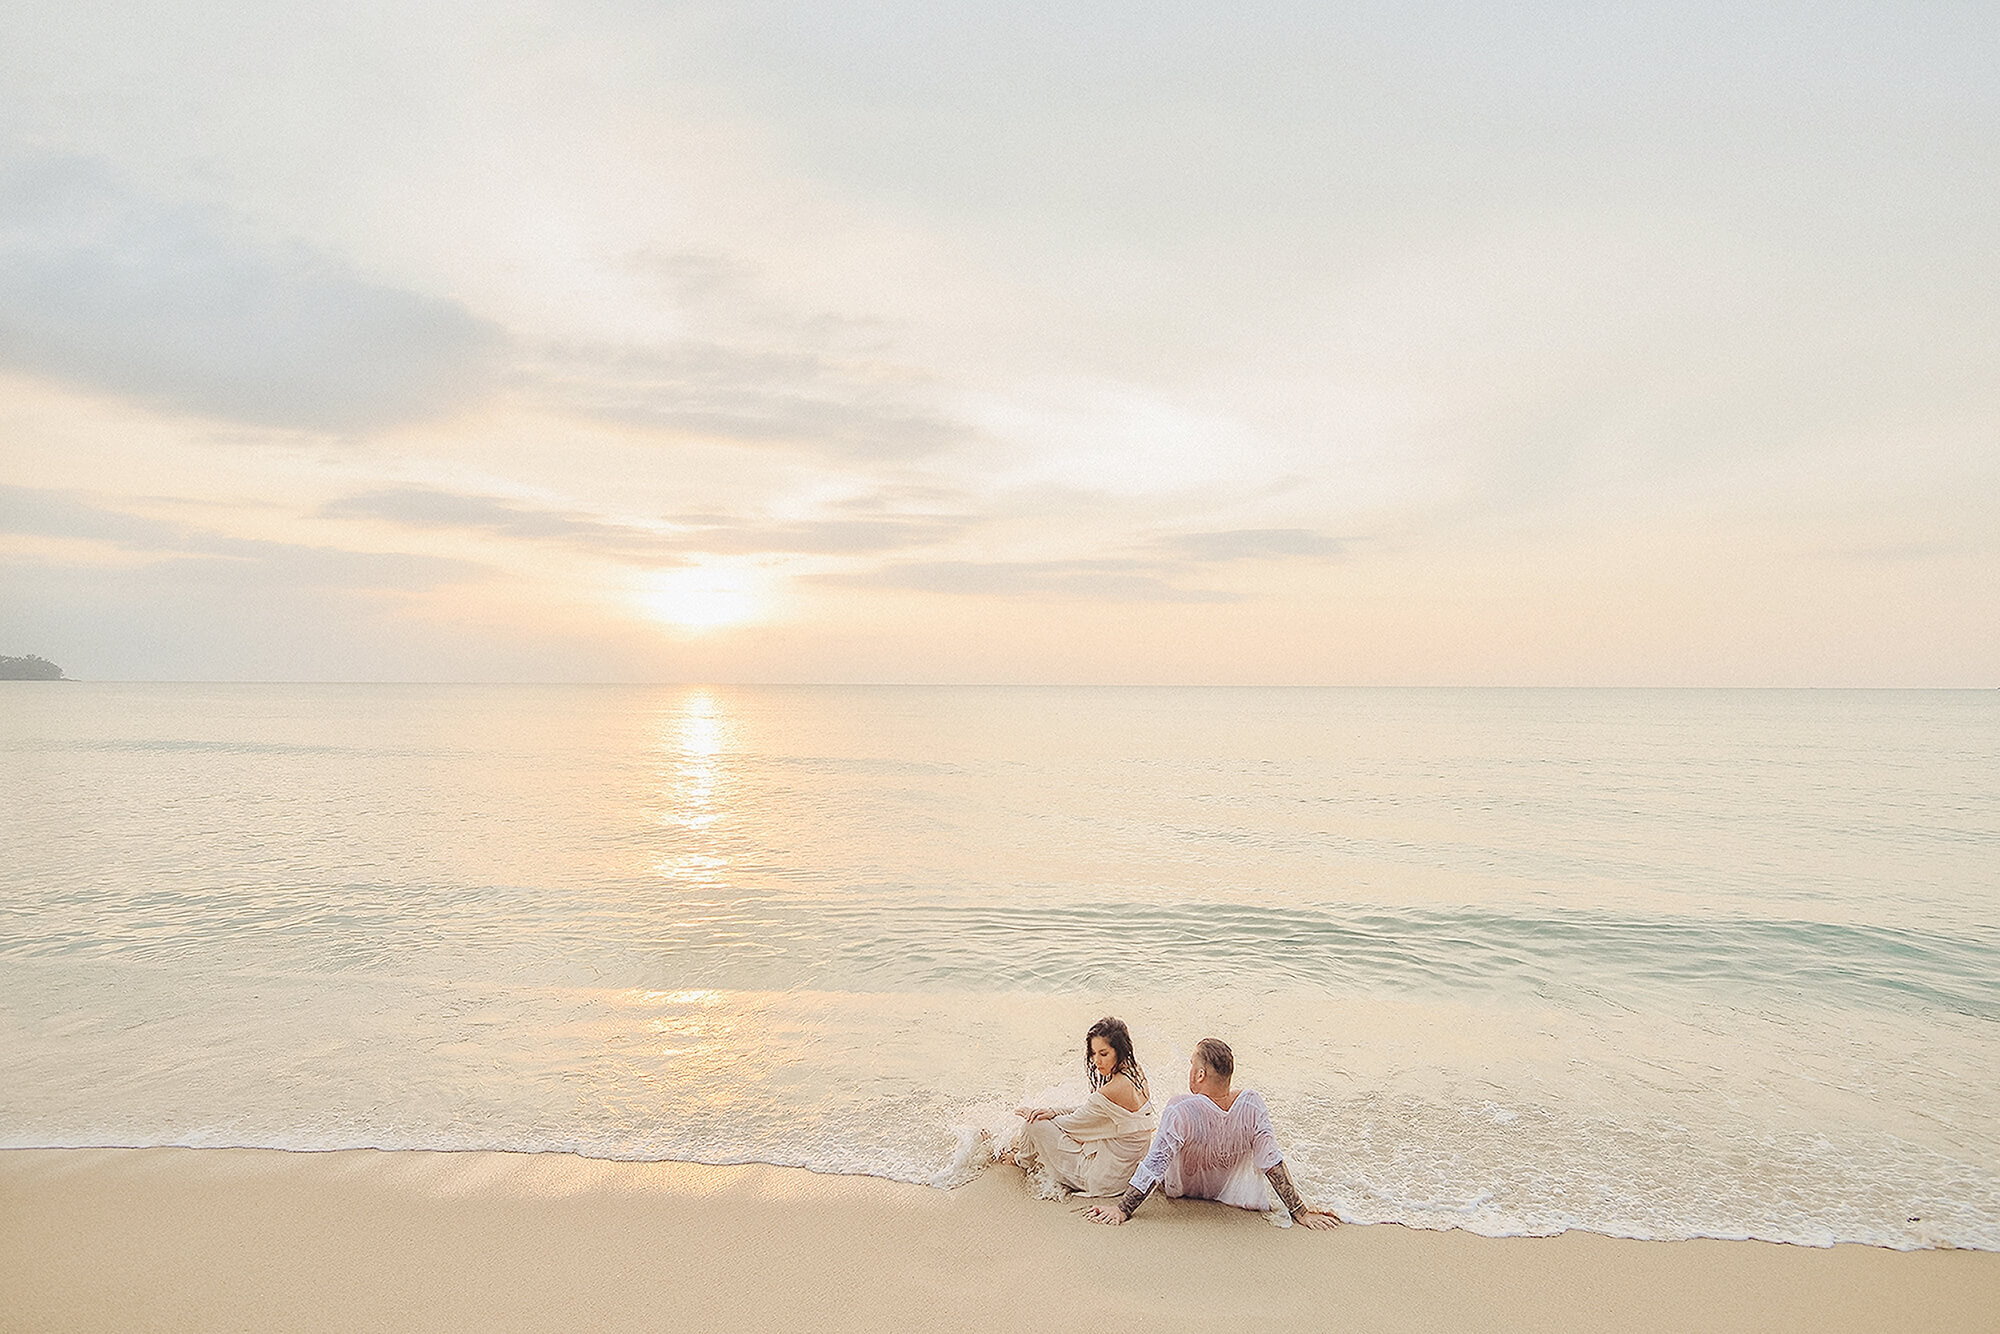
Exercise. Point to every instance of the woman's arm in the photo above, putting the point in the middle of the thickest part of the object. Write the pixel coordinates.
(1152, 1170)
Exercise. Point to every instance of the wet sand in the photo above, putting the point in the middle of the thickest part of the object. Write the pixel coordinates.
(207, 1239)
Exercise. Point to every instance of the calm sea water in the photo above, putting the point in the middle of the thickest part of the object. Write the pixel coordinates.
(1651, 963)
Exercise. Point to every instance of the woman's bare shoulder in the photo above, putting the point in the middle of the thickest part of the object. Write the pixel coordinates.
(1121, 1090)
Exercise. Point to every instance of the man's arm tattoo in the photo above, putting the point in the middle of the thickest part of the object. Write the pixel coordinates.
(1134, 1198)
(1281, 1181)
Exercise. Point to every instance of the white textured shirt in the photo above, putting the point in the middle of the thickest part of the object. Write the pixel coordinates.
(1205, 1153)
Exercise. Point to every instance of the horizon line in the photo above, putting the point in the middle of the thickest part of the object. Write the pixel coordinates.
(713, 684)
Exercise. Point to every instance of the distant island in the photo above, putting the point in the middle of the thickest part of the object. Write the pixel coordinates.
(31, 668)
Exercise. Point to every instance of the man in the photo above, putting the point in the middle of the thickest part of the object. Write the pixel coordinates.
(1212, 1142)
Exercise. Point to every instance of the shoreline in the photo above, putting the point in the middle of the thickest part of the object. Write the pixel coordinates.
(177, 1238)
(583, 1159)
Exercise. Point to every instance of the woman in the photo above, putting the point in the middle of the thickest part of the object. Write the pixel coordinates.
(1092, 1149)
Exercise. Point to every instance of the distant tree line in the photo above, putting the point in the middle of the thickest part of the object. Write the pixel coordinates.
(31, 668)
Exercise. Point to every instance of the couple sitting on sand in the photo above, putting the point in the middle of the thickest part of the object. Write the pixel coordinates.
(1211, 1144)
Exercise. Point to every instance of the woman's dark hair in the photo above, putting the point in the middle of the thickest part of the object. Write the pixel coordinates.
(1114, 1032)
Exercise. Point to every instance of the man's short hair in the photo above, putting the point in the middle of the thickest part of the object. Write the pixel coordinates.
(1215, 1054)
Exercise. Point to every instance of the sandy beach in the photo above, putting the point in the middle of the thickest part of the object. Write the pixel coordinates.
(157, 1239)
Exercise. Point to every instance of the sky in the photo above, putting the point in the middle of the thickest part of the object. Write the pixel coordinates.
(1414, 344)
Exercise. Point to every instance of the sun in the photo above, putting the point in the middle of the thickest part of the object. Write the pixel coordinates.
(702, 597)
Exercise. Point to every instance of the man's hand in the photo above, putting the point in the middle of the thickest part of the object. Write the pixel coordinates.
(1106, 1213)
(1316, 1219)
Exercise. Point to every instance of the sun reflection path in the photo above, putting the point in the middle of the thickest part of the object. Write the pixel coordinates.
(694, 737)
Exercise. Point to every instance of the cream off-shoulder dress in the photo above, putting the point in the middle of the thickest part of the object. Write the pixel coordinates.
(1090, 1151)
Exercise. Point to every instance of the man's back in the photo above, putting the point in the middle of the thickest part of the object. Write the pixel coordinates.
(1212, 1143)
(1206, 1153)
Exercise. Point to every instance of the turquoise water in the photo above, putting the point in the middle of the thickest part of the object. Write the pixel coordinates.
(1652, 963)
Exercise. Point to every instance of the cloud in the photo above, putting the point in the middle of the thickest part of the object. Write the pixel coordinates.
(1901, 553)
(191, 557)
(274, 567)
(28, 512)
(1251, 544)
(726, 298)
(903, 495)
(423, 507)
(750, 363)
(106, 288)
(850, 409)
(683, 535)
(299, 614)
(823, 537)
(1088, 580)
(1142, 578)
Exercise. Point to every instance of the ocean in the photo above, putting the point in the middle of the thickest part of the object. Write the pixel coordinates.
(1651, 963)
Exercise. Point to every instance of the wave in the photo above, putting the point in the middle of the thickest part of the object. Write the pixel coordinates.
(924, 944)
(918, 942)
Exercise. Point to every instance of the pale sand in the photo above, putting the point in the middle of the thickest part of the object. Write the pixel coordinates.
(220, 1239)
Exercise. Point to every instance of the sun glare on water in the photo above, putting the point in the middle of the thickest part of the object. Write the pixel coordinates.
(702, 597)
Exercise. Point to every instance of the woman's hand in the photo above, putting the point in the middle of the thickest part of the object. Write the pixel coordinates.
(1034, 1113)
